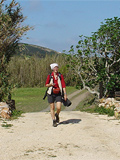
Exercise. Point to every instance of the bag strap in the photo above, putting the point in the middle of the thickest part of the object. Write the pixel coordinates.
(59, 75)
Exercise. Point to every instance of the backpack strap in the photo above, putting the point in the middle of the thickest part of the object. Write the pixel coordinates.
(59, 75)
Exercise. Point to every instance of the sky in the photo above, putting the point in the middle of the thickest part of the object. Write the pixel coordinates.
(58, 24)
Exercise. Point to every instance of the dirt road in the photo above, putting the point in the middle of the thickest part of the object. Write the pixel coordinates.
(79, 136)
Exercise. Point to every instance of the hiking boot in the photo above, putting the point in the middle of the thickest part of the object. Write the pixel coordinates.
(54, 123)
(57, 118)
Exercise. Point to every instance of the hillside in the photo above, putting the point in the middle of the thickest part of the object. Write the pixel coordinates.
(30, 50)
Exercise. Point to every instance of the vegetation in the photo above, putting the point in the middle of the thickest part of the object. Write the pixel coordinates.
(103, 110)
(11, 31)
(95, 59)
(33, 71)
(88, 104)
(91, 106)
(6, 125)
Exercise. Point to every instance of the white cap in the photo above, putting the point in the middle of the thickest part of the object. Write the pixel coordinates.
(53, 65)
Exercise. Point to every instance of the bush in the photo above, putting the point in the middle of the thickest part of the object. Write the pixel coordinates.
(16, 114)
(103, 110)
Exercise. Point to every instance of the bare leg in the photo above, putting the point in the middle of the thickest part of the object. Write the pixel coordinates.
(52, 110)
(58, 105)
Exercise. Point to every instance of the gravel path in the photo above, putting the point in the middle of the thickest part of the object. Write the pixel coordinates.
(79, 136)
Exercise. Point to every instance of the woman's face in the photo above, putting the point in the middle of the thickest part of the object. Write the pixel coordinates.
(55, 69)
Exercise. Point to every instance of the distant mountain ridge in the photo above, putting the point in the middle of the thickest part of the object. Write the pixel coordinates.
(30, 50)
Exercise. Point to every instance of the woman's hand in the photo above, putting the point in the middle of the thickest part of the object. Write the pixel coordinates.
(49, 85)
(52, 84)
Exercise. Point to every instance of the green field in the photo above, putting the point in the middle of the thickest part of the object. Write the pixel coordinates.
(31, 99)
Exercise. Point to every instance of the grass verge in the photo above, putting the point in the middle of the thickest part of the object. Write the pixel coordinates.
(82, 91)
(87, 104)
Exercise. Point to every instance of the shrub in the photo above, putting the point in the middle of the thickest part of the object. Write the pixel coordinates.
(103, 110)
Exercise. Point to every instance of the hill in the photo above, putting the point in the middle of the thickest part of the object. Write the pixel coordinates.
(30, 50)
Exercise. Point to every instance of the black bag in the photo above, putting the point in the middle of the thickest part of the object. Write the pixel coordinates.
(66, 103)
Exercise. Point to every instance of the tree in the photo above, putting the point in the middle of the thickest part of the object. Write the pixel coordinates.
(107, 42)
(11, 31)
(96, 59)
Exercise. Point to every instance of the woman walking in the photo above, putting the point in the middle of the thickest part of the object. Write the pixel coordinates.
(56, 89)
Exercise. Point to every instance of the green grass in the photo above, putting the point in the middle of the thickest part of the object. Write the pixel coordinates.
(31, 99)
(103, 110)
(70, 90)
(16, 114)
(6, 125)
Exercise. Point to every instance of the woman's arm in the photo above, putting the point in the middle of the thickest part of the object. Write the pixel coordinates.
(65, 94)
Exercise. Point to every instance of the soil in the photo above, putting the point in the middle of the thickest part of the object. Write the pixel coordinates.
(79, 136)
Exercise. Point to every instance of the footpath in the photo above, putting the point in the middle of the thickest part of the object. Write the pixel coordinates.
(80, 136)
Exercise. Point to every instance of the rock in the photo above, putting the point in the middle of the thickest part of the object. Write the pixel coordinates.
(110, 103)
(5, 110)
(117, 105)
(102, 105)
(102, 100)
(5, 113)
(3, 105)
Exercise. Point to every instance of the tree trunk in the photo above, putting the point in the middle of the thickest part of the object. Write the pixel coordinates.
(101, 89)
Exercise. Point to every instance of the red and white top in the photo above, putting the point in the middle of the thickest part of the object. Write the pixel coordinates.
(56, 80)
